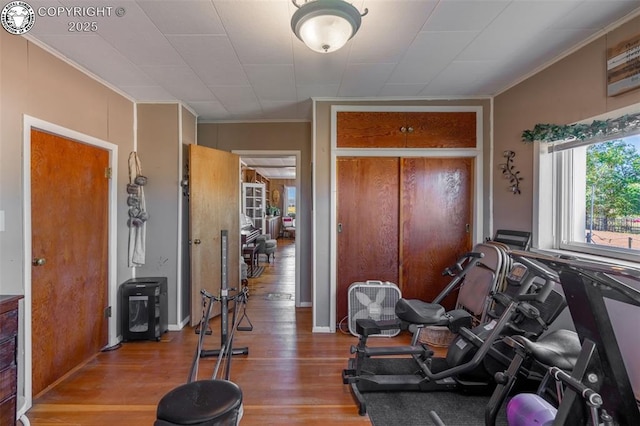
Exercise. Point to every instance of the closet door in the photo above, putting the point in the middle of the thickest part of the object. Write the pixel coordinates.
(436, 215)
(367, 129)
(367, 217)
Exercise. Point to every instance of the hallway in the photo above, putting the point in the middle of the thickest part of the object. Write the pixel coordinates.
(291, 376)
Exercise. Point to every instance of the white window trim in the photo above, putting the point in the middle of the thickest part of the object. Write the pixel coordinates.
(548, 223)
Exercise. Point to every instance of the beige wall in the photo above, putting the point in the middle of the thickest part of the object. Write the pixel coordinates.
(37, 84)
(570, 90)
(322, 188)
(159, 150)
(286, 136)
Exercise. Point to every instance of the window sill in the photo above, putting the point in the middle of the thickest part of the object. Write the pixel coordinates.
(591, 257)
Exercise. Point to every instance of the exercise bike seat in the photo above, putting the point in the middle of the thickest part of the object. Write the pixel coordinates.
(415, 311)
(559, 348)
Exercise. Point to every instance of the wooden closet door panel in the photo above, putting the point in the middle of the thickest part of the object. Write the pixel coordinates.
(455, 129)
(356, 129)
(367, 206)
(436, 214)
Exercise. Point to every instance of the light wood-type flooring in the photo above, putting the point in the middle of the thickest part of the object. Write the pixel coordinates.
(290, 377)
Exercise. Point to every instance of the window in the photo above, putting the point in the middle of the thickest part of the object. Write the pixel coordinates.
(593, 193)
(290, 201)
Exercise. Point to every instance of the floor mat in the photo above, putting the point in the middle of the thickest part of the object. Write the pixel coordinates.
(257, 271)
(412, 408)
(278, 296)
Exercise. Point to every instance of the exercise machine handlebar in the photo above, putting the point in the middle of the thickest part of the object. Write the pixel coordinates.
(517, 304)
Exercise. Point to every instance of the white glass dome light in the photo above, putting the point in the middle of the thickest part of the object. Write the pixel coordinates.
(325, 25)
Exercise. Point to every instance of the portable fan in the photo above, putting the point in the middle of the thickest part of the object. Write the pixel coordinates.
(375, 300)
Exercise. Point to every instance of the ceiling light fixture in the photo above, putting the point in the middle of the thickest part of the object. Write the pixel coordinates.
(325, 25)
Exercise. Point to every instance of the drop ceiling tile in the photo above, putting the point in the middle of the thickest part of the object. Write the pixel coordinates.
(279, 109)
(381, 39)
(501, 41)
(183, 17)
(237, 99)
(212, 58)
(313, 68)
(100, 58)
(182, 82)
(390, 89)
(595, 14)
(149, 93)
(429, 53)
(139, 40)
(542, 53)
(267, 38)
(464, 15)
(305, 92)
(365, 79)
(461, 77)
(522, 21)
(272, 82)
(209, 110)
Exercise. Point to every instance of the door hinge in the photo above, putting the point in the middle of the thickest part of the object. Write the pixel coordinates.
(107, 173)
(107, 312)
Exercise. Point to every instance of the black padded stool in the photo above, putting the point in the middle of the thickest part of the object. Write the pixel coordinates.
(201, 403)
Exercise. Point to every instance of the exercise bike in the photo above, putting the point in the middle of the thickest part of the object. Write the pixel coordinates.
(586, 379)
(527, 306)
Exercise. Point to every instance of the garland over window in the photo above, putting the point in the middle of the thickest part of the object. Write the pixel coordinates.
(607, 129)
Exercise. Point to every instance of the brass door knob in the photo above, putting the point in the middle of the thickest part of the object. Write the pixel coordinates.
(39, 261)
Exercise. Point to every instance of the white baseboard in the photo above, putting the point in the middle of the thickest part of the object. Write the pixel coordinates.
(181, 325)
(321, 330)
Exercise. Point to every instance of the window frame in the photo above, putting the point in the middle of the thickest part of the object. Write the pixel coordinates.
(555, 166)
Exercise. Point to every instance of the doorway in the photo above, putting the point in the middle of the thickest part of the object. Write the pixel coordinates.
(283, 169)
(38, 138)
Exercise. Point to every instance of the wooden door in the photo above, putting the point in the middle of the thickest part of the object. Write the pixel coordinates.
(214, 205)
(367, 217)
(436, 214)
(69, 226)
(366, 129)
(426, 129)
(437, 129)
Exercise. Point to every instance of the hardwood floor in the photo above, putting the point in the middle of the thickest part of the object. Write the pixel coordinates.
(291, 375)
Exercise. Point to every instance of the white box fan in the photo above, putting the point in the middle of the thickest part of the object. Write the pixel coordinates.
(375, 300)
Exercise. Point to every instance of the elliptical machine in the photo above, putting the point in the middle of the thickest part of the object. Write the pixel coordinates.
(218, 401)
(528, 305)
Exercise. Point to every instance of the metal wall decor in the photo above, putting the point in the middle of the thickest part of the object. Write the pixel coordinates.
(509, 173)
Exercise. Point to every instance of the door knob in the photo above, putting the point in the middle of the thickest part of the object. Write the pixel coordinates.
(39, 261)
(196, 241)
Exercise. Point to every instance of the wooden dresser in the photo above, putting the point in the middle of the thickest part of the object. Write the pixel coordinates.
(8, 358)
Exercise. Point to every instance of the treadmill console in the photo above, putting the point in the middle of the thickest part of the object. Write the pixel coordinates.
(517, 274)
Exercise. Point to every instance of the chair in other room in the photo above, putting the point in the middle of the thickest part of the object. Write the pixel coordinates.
(288, 227)
(267, 246)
